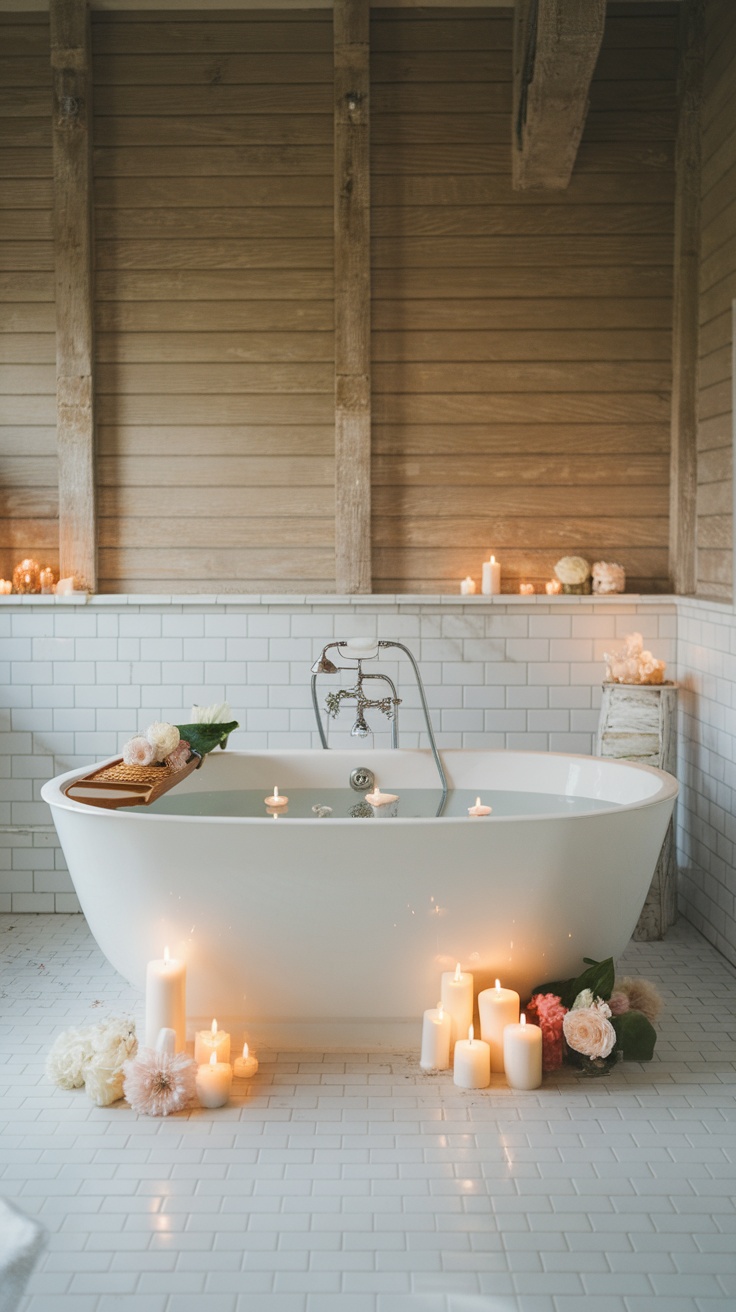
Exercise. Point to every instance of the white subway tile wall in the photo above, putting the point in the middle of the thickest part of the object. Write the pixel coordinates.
(80, 678)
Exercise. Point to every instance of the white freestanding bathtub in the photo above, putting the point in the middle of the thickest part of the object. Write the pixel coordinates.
(334, 932)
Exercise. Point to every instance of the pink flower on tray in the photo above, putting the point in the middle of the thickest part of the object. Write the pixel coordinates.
(177, 759)
(589, 1031)
(550, 1015)
(138, 751)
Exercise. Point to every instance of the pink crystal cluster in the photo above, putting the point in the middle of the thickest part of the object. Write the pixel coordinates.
(633, 664)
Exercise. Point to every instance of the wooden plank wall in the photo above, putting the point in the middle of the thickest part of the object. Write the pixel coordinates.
(521, 360)
(28, 466)
(717, 292)
(213, 220)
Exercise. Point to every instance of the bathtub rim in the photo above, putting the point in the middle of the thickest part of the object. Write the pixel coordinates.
(52, 791)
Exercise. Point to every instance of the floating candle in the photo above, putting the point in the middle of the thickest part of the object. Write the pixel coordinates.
(245, 1066)
(436, 1034)
(497, 1008)
(377, 798)
(522, 1055)
(467, 586)
(472, 1064)
(478, 809)
(166, 981)
(214, 1080)
(456, 991)
(213, 1041)
(491, 578)
(276, 800)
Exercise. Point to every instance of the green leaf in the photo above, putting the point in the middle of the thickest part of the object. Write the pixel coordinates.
(204, 738)
(636, 1036)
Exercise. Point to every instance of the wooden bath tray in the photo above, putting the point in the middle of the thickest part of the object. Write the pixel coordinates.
(118, 784)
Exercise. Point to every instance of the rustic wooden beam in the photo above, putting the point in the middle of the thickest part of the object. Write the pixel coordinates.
(352, 298)
(73, 246)
(684, 421)
(556, 45)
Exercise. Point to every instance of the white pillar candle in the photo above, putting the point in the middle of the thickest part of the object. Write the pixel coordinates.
(245, 1066)
(166, 982)
(456, 992)
(479, 809)
(207, 1042)
(467, 586)
(436, 1032)
(497, 1008)
(472, 1064)
(166, 1042)
(522, 1055)
(491, 578)
(214, 1079)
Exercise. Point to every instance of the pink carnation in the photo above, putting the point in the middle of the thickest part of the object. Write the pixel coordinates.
(177, 759)
(550, 1015)
(138, 751)
(157, 1084)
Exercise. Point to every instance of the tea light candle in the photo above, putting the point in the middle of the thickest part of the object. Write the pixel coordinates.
(46, 579)
(377, 798)
(456, 992)
(522, 1055)
(478, 809)
(245, 1066)
(166, 982)
(491, 578)
(553, 587)
(526, 589)
(472, 1064)
(214, 1080)
(166, 1042)
(211, 1041)
(6, 587)
(467, 586)
(436, 1034)
(276, 800)
(497, 1008)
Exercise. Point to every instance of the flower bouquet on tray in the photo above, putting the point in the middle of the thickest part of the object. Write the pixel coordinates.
(593, 1019)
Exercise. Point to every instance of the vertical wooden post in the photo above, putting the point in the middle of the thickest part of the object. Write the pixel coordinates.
(352, 298)
(73, 246)
(684, 420)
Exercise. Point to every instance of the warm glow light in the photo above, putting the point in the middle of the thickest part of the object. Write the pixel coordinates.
(498, 984)
(440, 1011)
(213, 1059)
(458, 973)
(166, 955)
(214, 1027)
(471, 1034)
(523, 1019)
(245, 1052)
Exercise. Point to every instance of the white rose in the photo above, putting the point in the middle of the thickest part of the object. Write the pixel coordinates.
(584, 999)
(163, 738)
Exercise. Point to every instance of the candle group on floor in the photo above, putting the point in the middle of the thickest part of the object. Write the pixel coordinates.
(165, 1030)
(507, 1045)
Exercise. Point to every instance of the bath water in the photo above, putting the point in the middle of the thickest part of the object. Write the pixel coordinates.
(344, 803)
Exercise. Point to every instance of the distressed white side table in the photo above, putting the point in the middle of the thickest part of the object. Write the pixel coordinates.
(638, 722)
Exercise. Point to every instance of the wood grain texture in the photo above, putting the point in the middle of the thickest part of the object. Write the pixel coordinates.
(352, 254)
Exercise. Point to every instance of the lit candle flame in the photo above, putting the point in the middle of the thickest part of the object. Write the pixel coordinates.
(498, 986)
(440, 1011)
(214, 1028)
(477, 801)
(458, 973)
(471, 1034)
(213, 1059)
(245, 1052)
(523, 1019)
(275, 791)
(166, 955)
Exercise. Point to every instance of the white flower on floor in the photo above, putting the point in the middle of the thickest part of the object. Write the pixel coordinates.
(163, 737)
(68, 1058)
(138, 751)
(93, 1055)
(156, 1084)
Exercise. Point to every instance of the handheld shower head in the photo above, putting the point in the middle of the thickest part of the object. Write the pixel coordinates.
(324, 666)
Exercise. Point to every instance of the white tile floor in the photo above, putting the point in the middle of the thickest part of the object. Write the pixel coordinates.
(354, 1183)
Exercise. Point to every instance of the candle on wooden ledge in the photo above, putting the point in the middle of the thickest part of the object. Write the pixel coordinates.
(526, 589)
(377, 798)
(212, 1041)
(214, 1080)
(6, 587)
(456, 992)
(491, 578)
(472, 1063)
(27, 576)
(467, 586)
(553, 587)
(497, 1008)
(46, 579)
(166, 982)
(246, 1066)
(436, 1034)
(479, 808)
(522, 1055)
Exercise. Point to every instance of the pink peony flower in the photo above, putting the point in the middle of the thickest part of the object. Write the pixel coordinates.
(177, 759)
(157, 1084)
(550, 1015)
(588, 1030)
(138, 751)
